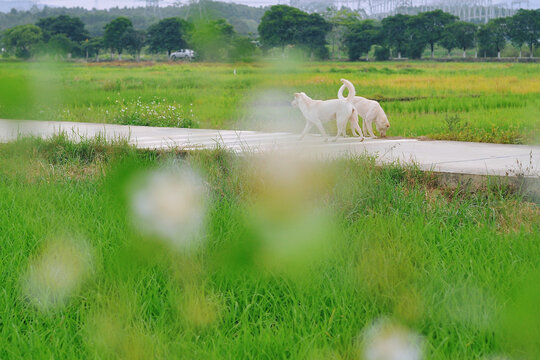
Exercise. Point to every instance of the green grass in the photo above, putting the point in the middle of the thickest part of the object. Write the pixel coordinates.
(458, 267)
(492, 102)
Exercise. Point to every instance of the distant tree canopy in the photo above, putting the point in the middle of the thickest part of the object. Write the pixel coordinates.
(524, 27)
(115, 34)
(22, 39)
(284, 25)
(361, 36)
(460, 34)
(279, 26)
(212, 39)
(244, 18)
(72, 27)
(168, 35)
(92, 47)
(394, 32)
(134, 41)
(429, 27)
(312, 34)
(492, 36)
(340, 20)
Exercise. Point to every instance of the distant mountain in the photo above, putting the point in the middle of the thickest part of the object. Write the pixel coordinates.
(245, 19)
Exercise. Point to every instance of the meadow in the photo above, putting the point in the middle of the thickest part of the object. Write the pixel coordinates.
(486, 102)
(294, 266)
(112, 252)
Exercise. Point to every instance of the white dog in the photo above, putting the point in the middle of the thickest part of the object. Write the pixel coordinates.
(370, 111)
(318, 112)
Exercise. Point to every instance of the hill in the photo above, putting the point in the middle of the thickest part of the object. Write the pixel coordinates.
(245, 19)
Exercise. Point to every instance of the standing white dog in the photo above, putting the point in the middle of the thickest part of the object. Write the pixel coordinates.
(318, 112)
(370, 111)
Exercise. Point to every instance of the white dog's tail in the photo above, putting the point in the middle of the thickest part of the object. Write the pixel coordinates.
(352, 92)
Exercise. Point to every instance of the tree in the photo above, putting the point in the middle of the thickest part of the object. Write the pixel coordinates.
(394, 31)
(243, 48)
(429, 26)
(91, 47)
(448, 41)
(361, 36)
(22, 39)
(60, 45)
(71, 27)
(463, 33)
(115, 35)
(492, 36)
(340, 20)
(212, 39)
(417, 40)
(134, 42)
(279, 26)
(524, 27)
(168, 35)
(311, 34)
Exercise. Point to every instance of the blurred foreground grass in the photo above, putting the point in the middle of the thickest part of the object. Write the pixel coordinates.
(293, 259)
(486, 102)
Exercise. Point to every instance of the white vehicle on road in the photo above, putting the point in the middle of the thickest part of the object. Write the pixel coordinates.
(183, 54)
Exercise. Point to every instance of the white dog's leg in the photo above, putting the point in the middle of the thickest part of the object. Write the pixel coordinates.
(321, 129)
(306, 129)
(341, 127)
(355, 127)
(369, 124)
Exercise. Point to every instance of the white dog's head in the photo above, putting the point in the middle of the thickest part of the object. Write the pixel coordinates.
(299, 97)
(382, 124)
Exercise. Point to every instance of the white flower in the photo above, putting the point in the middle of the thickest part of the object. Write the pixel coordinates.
(171, 203)
(57, 273)
(385, 340)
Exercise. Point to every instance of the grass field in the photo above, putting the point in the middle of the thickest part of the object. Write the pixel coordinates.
(488, 102)
(291, 261)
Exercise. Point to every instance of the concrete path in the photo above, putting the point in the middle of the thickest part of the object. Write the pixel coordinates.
(441, 156)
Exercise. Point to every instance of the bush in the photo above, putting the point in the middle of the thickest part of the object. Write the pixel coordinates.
(382, 53)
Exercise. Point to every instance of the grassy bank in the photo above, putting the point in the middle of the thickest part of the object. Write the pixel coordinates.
(292, 260)
(489, 102)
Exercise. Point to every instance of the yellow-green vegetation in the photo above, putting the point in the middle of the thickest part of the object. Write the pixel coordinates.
(295, 261)
(488, 102)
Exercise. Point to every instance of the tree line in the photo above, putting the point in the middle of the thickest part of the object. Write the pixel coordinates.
(394, 36)
(65, 36)
(318, 35)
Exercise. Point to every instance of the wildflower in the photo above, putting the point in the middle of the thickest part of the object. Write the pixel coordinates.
(171, 203)
(384, 340)
(57, 273)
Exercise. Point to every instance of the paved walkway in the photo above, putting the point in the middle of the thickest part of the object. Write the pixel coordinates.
(442, 156)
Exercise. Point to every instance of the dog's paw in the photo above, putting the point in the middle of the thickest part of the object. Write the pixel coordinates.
(362, 139)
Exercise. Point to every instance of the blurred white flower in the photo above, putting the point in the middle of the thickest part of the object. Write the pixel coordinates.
(294, 226)
(385, 340)
(171, 203)
(497, 357)
(57, 273)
